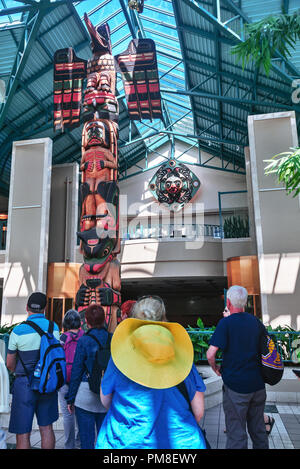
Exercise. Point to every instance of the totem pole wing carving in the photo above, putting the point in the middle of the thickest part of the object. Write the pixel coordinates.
(69, 73)
(138, 66)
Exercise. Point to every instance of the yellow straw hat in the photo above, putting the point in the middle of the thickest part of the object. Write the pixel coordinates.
(154, 354)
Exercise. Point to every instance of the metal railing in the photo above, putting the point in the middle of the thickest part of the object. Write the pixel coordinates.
(171, 231)
(288, 344)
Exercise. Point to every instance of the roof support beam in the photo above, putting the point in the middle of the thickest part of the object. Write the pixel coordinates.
(227, 99)
(232, 34)
(30, 33)
(14, 10)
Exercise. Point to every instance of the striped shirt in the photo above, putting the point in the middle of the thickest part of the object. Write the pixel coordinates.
(26, 342)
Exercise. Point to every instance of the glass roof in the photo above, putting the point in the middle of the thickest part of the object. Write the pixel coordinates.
(157, 23)
(14, 17)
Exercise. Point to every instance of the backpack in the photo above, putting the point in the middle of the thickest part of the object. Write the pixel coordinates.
(271, 362)
(52, 362)
(70, 348)
(100, 363)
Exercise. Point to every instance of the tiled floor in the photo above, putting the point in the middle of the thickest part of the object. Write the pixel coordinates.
(285, 433)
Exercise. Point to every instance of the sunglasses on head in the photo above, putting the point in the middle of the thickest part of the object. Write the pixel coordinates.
(154, 297)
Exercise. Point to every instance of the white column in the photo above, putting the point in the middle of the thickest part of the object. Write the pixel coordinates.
(277, 220)
(27, 227)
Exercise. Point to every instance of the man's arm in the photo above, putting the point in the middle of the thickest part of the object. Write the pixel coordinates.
(211, 358)
(11, 361)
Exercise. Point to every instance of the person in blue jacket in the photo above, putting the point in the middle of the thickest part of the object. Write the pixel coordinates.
(88, 408)
(151, 360)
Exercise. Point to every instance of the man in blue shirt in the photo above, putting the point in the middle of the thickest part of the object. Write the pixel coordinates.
(244, 392)
(24, 347)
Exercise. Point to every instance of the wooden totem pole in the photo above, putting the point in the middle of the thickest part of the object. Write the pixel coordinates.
(99, 274)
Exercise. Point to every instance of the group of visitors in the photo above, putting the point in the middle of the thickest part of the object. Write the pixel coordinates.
(151, 394)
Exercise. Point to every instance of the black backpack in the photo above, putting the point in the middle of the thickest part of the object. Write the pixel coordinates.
(100, 363)
(271, 362)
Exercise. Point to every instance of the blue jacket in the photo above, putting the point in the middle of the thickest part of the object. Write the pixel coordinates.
(84, 358)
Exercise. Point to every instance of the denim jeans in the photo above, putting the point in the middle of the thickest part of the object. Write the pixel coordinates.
(89, 424)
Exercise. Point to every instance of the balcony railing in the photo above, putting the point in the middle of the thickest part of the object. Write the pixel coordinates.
(171, 231)
(288, 344)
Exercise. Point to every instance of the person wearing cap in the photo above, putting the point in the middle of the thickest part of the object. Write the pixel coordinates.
(24, 346)
(151, 359)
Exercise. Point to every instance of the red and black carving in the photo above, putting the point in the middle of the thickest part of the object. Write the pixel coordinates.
(138, 66)
(69, 73)
(97, 108)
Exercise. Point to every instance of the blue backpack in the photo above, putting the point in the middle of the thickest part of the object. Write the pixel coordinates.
(51, 366)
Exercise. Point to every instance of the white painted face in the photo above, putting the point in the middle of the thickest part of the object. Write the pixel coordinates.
(173, 184)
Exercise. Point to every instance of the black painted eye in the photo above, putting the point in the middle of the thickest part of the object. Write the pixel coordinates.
(106, 252)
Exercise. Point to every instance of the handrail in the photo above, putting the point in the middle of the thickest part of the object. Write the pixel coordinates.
(171, 231)
(288, 344)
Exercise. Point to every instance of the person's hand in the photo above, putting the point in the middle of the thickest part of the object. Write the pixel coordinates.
(226, 312)
(217, 370)
(71, 408)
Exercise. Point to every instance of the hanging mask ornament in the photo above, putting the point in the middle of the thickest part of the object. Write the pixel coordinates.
(174, 185)
(137, 5)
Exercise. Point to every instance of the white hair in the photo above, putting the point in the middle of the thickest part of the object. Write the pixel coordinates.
(237, 296)
(149, 308)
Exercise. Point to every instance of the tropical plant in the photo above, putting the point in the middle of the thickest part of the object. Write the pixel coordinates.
(268, 37)
(200, 337)
(286, 167)
(287, 340)
(236, 227)
(285, 336)
(6, 329)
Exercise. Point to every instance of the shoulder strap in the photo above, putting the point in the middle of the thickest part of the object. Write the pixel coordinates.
(38, 329)
(35, 327)
(95, 338)
(23, 364)
(51, 327)
(182, 388)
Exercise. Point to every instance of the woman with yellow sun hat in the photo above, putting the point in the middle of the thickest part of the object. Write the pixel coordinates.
(151, 387)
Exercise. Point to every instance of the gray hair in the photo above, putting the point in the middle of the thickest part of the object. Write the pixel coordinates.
(238, 296)
(71, 320)
(149, 308)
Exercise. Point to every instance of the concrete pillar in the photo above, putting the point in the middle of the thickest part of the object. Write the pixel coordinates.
(277, 220)
(63, 213)
(28, 226)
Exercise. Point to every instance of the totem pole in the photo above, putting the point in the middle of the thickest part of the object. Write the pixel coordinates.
(99, 275)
